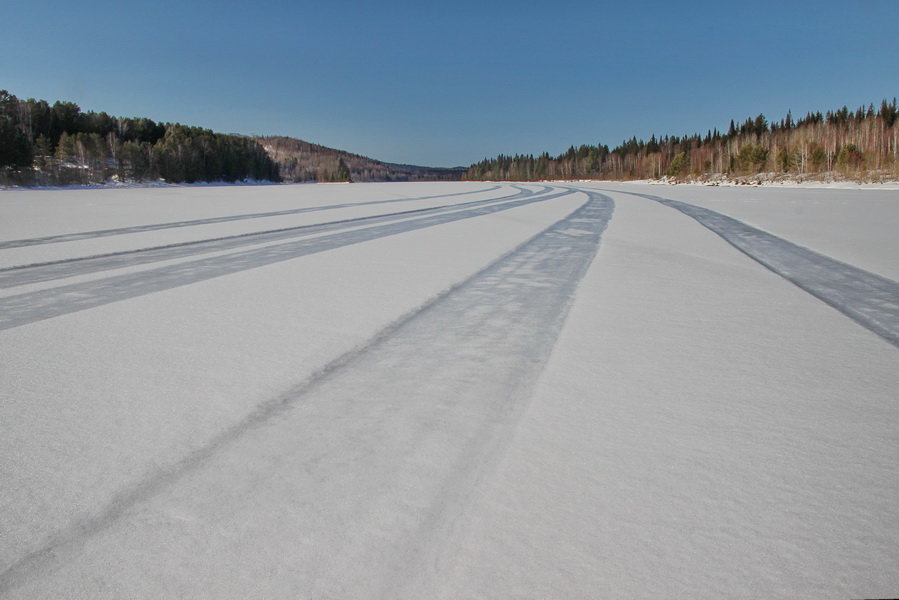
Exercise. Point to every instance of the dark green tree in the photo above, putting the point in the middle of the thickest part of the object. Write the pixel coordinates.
(679, 165)
(15, 149)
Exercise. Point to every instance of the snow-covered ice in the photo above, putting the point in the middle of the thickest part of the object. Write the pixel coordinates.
(856, 226)
(513, 391)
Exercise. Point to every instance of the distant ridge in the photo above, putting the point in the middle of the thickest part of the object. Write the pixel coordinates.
(298, 161)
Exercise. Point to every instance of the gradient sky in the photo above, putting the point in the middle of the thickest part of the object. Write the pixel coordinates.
(449, 83)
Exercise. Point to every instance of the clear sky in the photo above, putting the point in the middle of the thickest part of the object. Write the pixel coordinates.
(449, 83)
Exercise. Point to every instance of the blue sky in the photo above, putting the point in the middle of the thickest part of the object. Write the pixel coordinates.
(449, 83)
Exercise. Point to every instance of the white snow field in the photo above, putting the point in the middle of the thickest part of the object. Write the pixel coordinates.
(449, 390)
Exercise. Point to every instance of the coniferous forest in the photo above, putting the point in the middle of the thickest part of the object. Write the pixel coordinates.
(861, 144)
(58, 144)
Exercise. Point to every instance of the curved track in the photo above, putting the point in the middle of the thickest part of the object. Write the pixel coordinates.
(869, 299)
(30, 307)
(49, 271)
(477, 349)
(84, 235)
(432, 404)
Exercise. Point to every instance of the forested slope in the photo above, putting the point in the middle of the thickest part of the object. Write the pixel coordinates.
(303, 161)
(58, 144)
(860, 144)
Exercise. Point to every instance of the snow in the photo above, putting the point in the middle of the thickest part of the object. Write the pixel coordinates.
(386, 418)
(233, 211)
(703, 429)
(856, 226)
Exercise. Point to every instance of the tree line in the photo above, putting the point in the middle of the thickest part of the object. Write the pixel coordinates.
(58, 144)
(863, 144)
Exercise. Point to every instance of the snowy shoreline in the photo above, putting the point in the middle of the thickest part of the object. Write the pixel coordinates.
(761, 180)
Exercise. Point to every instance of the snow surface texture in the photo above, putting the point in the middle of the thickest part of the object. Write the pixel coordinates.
(856, 226)
(869, 299)
(443, 391)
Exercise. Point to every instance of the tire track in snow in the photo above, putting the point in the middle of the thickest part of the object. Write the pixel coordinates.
(379, 451)
(70, 237)
(869, 299)
(30, 307)
(71, 267)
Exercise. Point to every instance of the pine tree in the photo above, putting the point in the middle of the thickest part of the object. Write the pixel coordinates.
(679, 165)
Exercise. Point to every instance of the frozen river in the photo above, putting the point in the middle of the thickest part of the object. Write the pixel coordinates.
(449, 390)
